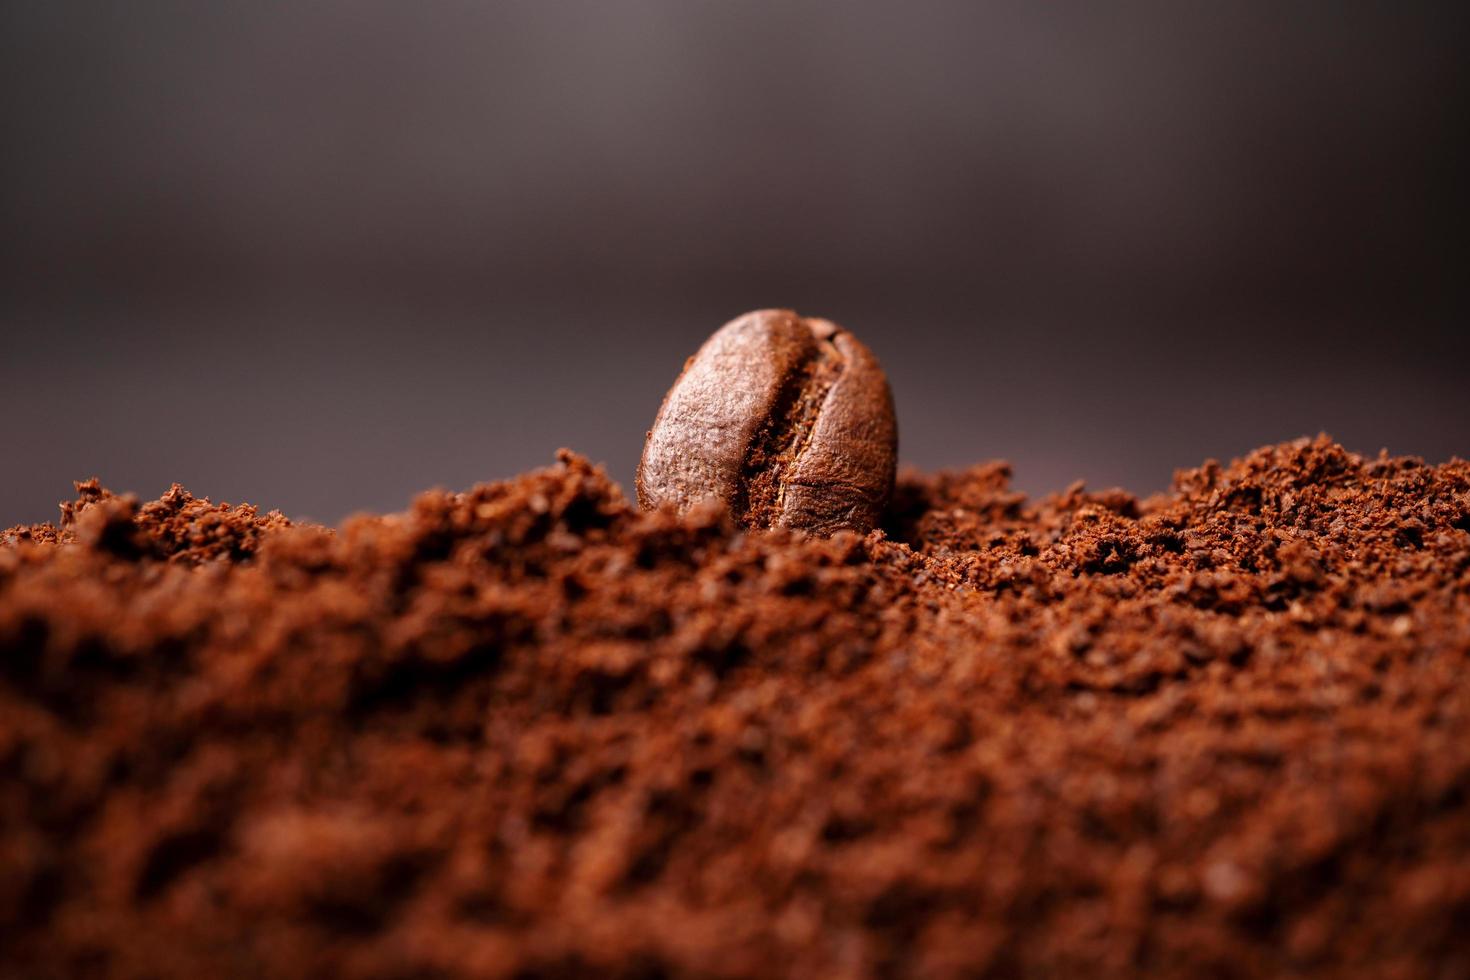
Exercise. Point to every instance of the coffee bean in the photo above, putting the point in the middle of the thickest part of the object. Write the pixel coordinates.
(788, 421)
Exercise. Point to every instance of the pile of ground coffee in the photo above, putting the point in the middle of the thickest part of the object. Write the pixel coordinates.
(528, 730)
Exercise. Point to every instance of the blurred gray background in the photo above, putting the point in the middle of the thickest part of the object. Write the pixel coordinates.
(320, 256)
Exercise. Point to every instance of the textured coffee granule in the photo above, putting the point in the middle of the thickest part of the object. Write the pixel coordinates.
(530, 731)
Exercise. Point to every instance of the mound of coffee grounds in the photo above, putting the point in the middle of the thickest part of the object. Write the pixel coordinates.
(529, 730)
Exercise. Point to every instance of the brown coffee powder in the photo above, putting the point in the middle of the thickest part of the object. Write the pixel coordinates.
(528, 731)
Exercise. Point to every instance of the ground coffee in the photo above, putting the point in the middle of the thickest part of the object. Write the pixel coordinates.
(529, 730)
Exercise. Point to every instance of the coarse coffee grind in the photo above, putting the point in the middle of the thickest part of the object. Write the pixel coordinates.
(531, 730)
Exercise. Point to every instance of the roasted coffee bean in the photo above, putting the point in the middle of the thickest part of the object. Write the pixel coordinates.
(786, 420)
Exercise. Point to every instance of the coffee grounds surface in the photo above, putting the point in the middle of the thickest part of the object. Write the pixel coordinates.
(530, 731)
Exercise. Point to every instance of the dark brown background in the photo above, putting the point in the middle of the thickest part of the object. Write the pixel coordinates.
(320, 256)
